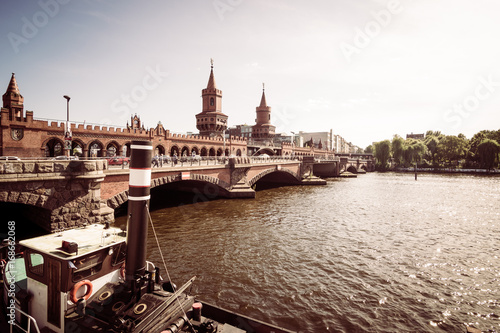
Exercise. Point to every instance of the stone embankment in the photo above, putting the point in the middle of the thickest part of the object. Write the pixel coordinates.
(57, 194)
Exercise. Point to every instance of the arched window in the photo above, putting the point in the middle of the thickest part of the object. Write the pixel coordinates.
(211, 101)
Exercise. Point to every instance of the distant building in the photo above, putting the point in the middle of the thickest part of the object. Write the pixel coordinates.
(321, 140)
(415, 136)
(244, 131)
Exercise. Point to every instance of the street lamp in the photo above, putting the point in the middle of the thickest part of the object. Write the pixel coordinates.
(224, 138)
(67, 129)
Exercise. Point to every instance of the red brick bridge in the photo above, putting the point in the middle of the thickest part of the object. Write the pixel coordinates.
(59, 194)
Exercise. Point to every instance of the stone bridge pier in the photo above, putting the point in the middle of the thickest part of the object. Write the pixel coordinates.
(55, 194)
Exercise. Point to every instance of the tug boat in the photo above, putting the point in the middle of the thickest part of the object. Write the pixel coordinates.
(97, 279)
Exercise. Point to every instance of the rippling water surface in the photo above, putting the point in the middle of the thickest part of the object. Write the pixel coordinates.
(380, 253)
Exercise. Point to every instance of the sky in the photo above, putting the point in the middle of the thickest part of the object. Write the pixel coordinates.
(366, 69)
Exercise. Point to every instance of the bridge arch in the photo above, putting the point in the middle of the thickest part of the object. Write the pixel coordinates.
(203, 151)
(96, 148)
(211, 152)
(174, 150)
(185, 151)
(159, 150)
(221, 187)
(195, 150)
(79, 146)
(53, 147)
(352, 169)
(264, 150)
(112, 148)
(282, 170)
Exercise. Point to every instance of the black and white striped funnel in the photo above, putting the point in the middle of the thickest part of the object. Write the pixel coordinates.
(138, 196)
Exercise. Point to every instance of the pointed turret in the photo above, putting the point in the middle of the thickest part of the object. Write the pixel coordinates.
(13, 88)
(13, 100)
(211, 80)
(211, 121)
(263, 103)
(263, 130)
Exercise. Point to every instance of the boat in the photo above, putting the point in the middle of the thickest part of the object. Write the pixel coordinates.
(97, 279)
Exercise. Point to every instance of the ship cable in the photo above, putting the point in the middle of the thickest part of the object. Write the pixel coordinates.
(166, 270)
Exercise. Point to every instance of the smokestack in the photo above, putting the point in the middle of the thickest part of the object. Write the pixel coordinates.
(138, 197)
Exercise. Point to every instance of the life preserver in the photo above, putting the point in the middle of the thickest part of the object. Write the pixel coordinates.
(77, 286)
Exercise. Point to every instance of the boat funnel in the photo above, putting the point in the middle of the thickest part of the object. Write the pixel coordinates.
(138, 210)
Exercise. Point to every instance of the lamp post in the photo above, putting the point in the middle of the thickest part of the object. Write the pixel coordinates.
(67, 129)
(293, 144)
(224, 138)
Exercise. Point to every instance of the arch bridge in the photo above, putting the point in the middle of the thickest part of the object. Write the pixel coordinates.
(61, 194)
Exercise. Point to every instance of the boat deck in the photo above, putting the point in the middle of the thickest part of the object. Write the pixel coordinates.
(93, 239)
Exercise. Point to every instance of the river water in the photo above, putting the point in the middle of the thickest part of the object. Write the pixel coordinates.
(378, 253)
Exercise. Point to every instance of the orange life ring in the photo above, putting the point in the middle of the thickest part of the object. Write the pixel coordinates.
(77, 286)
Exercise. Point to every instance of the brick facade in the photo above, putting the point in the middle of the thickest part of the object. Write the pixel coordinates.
(23, 136)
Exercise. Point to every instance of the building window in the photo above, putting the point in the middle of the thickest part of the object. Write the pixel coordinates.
(211, 101)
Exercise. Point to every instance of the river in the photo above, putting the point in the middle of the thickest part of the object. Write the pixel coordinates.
(377, 253)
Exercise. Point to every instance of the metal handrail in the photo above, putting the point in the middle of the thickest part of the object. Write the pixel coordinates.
(30, 319)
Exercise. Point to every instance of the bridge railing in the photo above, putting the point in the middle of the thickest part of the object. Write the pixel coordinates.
(190, 161)
(271, 159)
(327, 159)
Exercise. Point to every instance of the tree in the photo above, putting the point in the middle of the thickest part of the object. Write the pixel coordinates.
(413, 151)
(488, 151)
(451, 149)
(369, 149)
(431, 142)
(382, 154)
(472, 153)
(397, 149)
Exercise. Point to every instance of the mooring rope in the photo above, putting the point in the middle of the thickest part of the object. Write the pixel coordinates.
(166, 270)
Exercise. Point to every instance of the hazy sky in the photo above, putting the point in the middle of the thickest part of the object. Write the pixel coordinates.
(367, 69)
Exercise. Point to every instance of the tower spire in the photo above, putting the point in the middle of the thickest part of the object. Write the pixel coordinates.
(211, 79)
(13, 100)
(263, 103)
(263, 129)
(211, 121)
(13, 88)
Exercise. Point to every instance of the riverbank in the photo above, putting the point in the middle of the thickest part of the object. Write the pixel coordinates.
(449, 170)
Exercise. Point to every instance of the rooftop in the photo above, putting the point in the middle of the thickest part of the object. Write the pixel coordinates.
(89, 239)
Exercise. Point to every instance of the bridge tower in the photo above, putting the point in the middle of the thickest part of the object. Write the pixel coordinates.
(13, 100)
(263, 130)
(211, 121)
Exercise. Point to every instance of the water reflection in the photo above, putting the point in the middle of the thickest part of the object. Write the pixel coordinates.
(380, 253)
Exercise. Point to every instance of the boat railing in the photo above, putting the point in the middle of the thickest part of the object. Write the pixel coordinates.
(31, 320)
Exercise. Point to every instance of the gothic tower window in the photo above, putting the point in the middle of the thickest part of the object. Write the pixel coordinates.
(211, 101)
